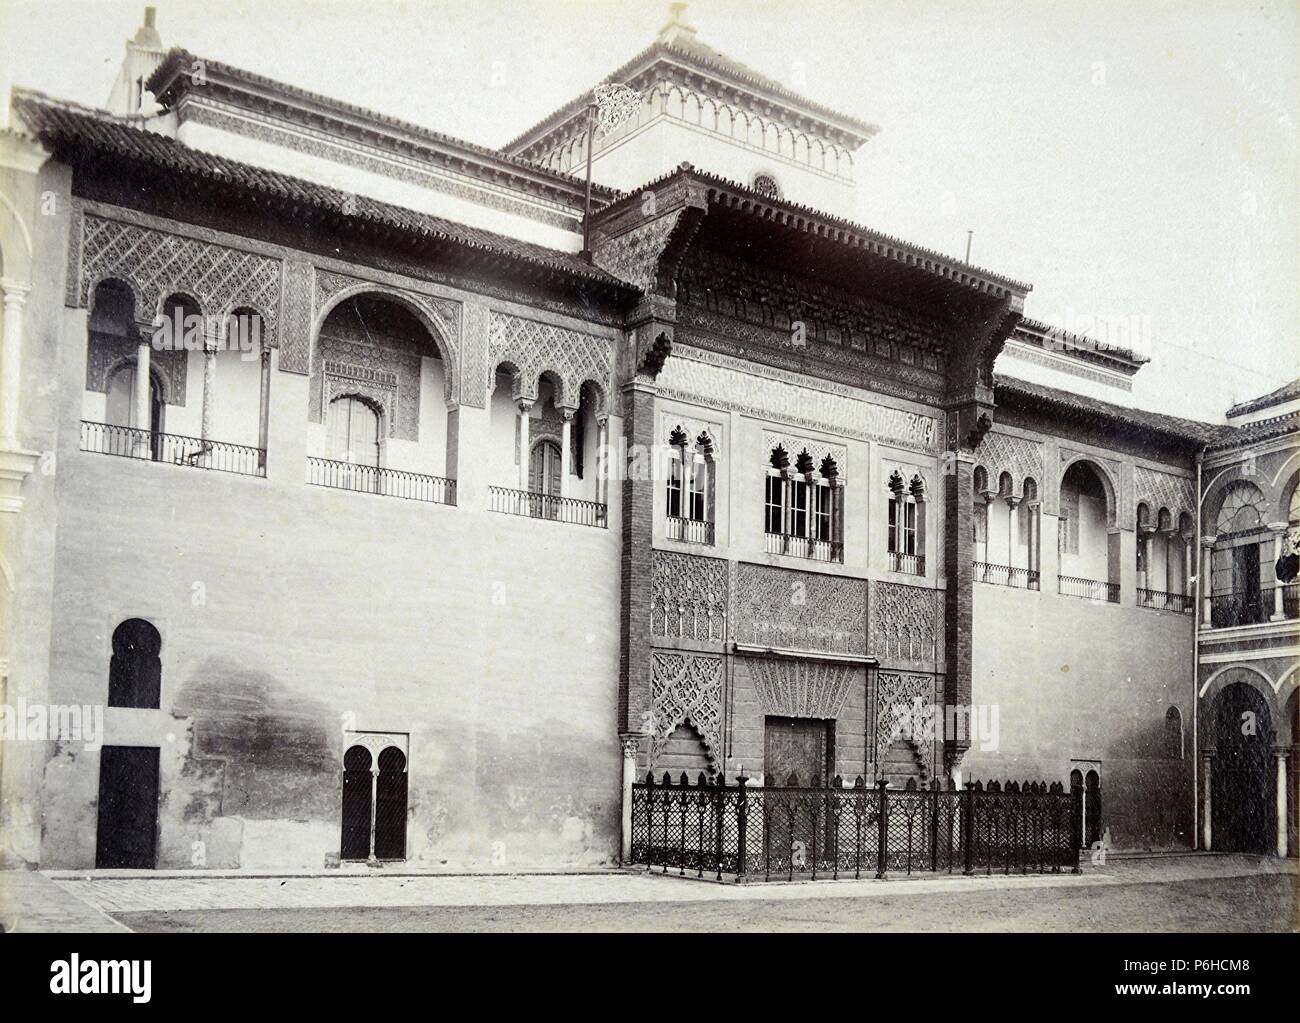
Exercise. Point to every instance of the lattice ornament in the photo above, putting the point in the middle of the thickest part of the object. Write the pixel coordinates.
(912, 692)
(785, 608)
(1001, 452)
(904, 622)
(155, 264)
(615, 105)
(534, 347)
(686, 687)
(688, 597)
(1163, 490)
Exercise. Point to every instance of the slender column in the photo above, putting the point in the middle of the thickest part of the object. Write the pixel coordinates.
(566, 457)
(209, 386)
(1280, 755)
(143, 421)
(11, 354)
(1144, 534)
(1207, 832)
(525, 407)
(1207, 547)
(988, 496)
(1012, 520)
(1279, 535)
(264, 408)
(1169, 561)
(602, 458)
(630, 744)
(1189, 568)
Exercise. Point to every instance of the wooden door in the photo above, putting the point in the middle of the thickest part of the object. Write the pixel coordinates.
(796, 746)
(127, 832)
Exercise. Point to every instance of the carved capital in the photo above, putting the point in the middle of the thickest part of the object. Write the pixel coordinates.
(631, 744)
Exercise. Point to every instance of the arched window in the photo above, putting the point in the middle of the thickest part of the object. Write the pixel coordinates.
(390, 805)
(544, 479)
(906, 534)
(353, 431)
(690, 488)
(135, 670)
(803, 509)
(1243, 509)
(358, 787)
(1173, 734)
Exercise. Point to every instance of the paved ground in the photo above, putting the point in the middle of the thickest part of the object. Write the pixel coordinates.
(30, 901)
(1184, 893)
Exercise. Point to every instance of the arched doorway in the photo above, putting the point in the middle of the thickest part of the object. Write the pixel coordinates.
(1242, 776)
(1092, 830)
(390, 805)
(544, 478)
(352, 428)
(119, 410)
(357, 781)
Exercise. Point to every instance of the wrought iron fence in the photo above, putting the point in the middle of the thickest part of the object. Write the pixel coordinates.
(689, 530)
(1093, 589)
(371, 479)
(174, 449)
(912, 564)
(1291, 600)
(547, 506)
(804, 547)
(810, 832)
(1005, 575)
(1242, 607)
(1162, 601)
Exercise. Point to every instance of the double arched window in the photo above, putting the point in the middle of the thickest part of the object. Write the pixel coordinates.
(906, 534)
(690, 490)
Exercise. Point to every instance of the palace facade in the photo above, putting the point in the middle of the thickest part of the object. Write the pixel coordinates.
(382, 521)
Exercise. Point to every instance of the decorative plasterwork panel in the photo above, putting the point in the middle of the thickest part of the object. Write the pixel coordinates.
(904, 622)
(788, 609)
(686, 687)
(688, 597)
(390, 379)
(801, 689)
(474, 383)
(691, 426)
(1001, 452)
(1163, 490)
(155, 264)
(909, 471)
(914, 692)
(720, 381)
(108, 351)
(441, 316)
(534, 347)
(818, 449)
(297, 327)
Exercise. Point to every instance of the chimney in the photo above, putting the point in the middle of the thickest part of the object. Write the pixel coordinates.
(149, 13)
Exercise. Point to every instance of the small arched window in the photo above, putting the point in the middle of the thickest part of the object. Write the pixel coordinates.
(135, 670)
(1173, 734)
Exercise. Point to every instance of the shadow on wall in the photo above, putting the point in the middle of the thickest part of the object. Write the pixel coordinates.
(282, 750)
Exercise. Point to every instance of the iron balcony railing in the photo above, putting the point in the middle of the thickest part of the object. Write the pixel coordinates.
(1291, 600)
(804, 547)
(370, 479)
(911, 564)
(1162, 601)
(782, 832)
(1005, 575)
(689, 530)
(1093, 589)
(547, 506)
(1241, 607)
(174, 449)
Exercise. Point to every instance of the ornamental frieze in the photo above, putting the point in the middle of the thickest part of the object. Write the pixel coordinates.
(1159, 490)
(1023, 459)
(787, 609)
(634, 255)
(686, 687)
(721, 382)
(688, 597)
(794, 444)
(156, 264)
(909, 693)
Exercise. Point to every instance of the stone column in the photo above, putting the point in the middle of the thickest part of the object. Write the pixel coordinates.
(630, 743)
(209, 387)
(602, 458)
(1279, 535)
(1144, 534)
(143, 421)
(1012, 521)
(988, 496)
(566, 457)
(11, 354)
(1189, 566)
(1207, 548)
(1280, 756)
(525, 408)
(1207, 802)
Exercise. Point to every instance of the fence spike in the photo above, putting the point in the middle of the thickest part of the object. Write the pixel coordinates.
(793, 781)
(703, 779)
(650, 778)
(837, 782)
(684, 779)
(668, 778)
(993, 786)
(815, 782)
(859, 783)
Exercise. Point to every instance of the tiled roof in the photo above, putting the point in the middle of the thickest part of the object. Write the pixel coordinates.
(1021, 393)
(1287, 392)
(76, 132)
(1254, 433)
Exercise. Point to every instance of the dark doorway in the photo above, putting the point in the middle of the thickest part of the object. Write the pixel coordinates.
(1245, 584)
(1092, 829)
(390, 806)
(127, 833)
(357, 794)
(1242, 771)
(799, 747)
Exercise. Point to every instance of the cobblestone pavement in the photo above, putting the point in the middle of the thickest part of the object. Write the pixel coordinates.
(30, 901)
(190, 891)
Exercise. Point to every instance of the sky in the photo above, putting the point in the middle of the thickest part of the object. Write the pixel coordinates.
(1134, 160)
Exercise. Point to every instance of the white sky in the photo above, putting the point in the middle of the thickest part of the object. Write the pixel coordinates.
(1134, 160)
